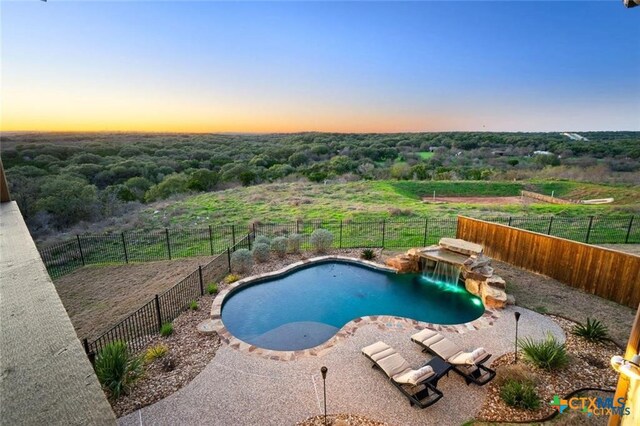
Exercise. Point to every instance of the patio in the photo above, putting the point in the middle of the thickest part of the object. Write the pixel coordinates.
(243, 388)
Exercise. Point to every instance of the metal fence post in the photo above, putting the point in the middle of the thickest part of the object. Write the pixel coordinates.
(249, 240)
(383, 231)
(124, 248)
(340, 233)
(550, 223)
(80, 248)
(201, 280)
(158, 311)
(233, 235)
(586, 240)
(166, 232)
(626, 239)
(509, 224)
(211, 240)
(424, 242)
(229, 259)
(254, 230)
(87, 350)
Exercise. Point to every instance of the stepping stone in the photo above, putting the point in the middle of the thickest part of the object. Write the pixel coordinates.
(207, 327)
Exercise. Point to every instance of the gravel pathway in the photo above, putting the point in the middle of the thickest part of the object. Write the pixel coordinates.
(243, 389)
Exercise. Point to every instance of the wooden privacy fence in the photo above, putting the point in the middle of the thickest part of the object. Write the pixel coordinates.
(606, 273)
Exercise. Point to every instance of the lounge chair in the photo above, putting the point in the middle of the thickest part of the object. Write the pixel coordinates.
(416, 385)
(467, 364)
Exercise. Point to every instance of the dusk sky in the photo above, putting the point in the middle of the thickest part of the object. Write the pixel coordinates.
(345, 67)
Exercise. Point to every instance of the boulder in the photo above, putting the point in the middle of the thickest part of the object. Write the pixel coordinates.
(511, 299)
(207, 327)
(493, 298)
(485, 271)
(474, 262)
(460, 246)
(497, 282)
(473, 286)
(403, 263)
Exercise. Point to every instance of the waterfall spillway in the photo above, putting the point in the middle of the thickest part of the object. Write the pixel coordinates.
(443, 273)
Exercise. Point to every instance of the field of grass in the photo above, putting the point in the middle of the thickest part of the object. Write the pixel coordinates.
(374, 200)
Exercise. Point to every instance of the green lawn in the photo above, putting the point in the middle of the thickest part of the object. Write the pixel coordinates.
(369, 200)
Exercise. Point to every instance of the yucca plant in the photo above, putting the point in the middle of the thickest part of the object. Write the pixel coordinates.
(520, 394)
(368, 254)
(117, 369)
(548, 353)
(593, 330)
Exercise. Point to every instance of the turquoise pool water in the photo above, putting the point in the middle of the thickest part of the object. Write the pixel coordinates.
(306, 307)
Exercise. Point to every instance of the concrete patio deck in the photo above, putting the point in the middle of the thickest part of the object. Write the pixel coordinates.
(238, 388)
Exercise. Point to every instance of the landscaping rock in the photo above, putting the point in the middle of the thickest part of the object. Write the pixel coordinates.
(473, 286)
(474, 262)
(496, 282)
(460, 246)
(511, 299)
(206, 327)
(403, 263)
(493, 298)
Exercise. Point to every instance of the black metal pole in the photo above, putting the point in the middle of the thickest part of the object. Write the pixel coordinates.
(82, 254)
(158, 312)
(166, 231)
(323, 370)
(229, 259)
(383, 231)
(626, 239)
(211, 240)
(340, 233)
(426, 222)
(517, 315)
(201, 280)
(586, 240)
(124, 248)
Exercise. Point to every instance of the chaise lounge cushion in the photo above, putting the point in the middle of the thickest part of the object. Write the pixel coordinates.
(391, 362)
(413, 377)
(469, 358)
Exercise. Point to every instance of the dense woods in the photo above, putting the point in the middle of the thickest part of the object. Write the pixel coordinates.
(61, 179)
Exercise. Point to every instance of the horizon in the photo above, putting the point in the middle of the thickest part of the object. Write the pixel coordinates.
(287, 68)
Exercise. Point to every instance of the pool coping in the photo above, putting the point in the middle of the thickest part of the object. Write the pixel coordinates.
(383, 322)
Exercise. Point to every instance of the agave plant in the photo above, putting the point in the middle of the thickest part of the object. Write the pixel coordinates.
(117, 369)
(593, 330)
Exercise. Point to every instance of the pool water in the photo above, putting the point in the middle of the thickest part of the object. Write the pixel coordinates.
(306, 307)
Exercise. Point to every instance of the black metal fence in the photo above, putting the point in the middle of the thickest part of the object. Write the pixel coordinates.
(140, 326)
(166, 244)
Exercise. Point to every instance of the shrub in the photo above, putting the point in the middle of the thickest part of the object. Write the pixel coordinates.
(262, 239)
(166, 330)
(368, 254)
(321, 240)
(294, 242)
(193, 305)
(519, 372)
(241, 261)
(279, 246)
(593, 330)
(520, 394)
(155, 352)
(231, 278)
(261, 252)
(212, 288)
(548, 354)
(117, 369)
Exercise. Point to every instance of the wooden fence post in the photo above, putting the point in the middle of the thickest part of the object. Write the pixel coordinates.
(159, 314)
(166, 231)
(82, 254)
(586, 240)
(124, 248)
(626, 239)
(201, 280)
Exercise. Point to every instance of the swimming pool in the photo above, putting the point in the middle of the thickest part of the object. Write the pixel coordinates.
(305, 307)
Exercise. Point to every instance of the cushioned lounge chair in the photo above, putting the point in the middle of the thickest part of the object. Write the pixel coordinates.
(468, 364)
(414, 384)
